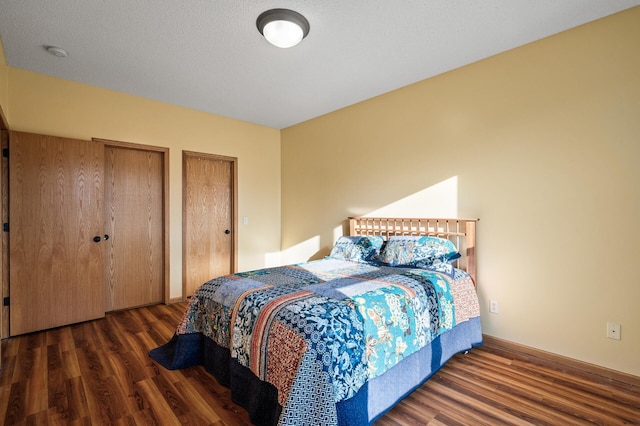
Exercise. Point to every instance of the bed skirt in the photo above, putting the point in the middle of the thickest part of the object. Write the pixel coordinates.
(375, 398)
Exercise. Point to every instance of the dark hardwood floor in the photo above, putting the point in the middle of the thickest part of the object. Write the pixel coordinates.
(99, 372)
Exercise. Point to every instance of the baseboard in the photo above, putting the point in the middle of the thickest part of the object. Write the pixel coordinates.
(582, 368)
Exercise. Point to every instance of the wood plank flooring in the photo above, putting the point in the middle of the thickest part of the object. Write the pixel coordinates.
(99, 373)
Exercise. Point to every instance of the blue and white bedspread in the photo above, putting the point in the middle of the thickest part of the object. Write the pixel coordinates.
(318, 331)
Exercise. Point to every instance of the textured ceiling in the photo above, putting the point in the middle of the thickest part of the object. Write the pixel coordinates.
(208, 54)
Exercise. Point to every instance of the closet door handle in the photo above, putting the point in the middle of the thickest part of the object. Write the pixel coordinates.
(97, 239)
(227, 231)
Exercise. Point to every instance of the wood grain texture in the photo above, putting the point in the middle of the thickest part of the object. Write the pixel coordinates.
(55, 206)
(99, 372)
(4, 247)
(164, 153)
(507, 384)
(208, 219)
(134, 221)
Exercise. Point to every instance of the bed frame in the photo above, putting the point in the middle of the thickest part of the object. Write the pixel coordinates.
(379, 394)
(462, 232)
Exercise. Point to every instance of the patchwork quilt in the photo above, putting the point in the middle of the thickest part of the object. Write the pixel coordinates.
(317, 331)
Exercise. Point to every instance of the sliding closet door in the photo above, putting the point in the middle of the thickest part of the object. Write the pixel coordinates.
(134, 220)
(55, 213)
(208, 218)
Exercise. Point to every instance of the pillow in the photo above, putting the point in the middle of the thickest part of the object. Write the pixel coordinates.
(411, 250)
(439, 264)
(357, 249)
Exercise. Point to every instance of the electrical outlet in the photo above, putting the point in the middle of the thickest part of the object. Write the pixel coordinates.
(493, 307)
(613, 330)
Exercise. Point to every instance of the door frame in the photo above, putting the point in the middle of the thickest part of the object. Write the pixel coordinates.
(233, 163)
(4, 217)
(166, 290)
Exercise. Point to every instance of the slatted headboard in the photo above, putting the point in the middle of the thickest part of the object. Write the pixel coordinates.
(462, 232)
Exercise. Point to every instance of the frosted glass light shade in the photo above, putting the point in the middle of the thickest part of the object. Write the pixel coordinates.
(282, 27)
(282, 33)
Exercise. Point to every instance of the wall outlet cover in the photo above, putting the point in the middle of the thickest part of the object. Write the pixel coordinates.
(613, 330)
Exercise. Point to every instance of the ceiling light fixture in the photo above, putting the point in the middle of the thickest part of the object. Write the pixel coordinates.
(57, 51)
(282, 27)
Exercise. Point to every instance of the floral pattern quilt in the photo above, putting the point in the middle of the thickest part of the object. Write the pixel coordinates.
(321, 329)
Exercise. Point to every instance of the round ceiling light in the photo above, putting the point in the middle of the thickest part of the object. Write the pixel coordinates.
(282, 27)
(57, 51)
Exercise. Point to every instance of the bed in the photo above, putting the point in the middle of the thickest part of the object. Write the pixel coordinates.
(340, 340)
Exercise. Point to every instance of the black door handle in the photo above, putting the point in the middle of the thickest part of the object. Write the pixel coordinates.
(97, 239)
(106, 237)
(227, 231)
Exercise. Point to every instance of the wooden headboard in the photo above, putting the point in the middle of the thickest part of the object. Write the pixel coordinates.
(462, 232)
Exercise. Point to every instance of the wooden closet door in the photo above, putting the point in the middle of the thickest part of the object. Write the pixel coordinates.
(134, 274)
(55, 211)
(208, 219)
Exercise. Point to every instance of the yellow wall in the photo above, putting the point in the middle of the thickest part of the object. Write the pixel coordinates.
(541, 143)
(47, 105)
(4, 82)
